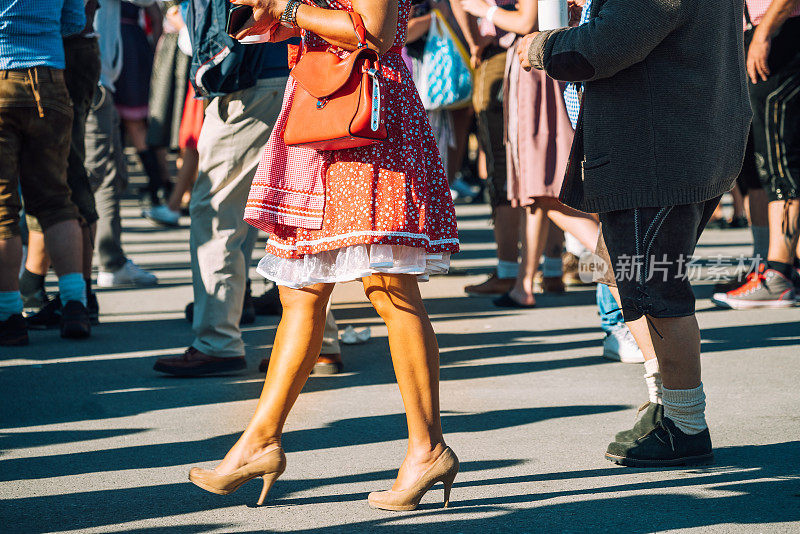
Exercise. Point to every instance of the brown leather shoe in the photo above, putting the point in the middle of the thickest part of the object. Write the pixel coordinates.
(493, 286)
(328, 364)
(196, 363)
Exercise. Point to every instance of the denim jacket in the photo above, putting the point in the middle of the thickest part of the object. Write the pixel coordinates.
(220, 65)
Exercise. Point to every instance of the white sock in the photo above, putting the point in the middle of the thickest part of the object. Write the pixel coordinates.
(653, 380)
(686, 408)
(552, 267)
(507, 269)
(760, 241)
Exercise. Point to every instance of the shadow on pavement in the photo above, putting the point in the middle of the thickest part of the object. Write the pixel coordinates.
(342, 433)
(749, 485)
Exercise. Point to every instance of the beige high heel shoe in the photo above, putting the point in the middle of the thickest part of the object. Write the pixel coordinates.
(268, 466)
(443, 470)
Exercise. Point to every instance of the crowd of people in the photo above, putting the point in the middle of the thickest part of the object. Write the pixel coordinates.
(611, 140)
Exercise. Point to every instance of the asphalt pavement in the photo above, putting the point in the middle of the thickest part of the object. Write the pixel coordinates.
(93, 440)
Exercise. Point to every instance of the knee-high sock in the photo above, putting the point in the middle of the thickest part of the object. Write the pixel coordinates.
(652, 377)
(686, 408)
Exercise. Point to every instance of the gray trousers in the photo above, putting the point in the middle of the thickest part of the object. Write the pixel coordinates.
(108, 175)
(235, 130)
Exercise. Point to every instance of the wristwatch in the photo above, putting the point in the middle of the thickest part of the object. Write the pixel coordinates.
(289, 16)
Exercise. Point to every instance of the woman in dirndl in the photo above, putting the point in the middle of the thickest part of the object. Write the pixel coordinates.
(381, 214)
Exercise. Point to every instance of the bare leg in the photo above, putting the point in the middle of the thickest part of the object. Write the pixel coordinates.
(88, 232)
(738, 202)
(506, 232)
(784, 230)
(535, 228)
(640, 330)
(137, 133)
(37, 262)
(461, 119)
(186, 176)
(415, 355)
(583, 226)
(298, 341)
(717, 215)
(678, 351)
(61, 240)
(10, 260)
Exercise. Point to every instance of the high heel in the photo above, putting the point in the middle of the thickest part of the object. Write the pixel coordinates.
(269, 466)
(269, 480)
(443, 470)
(448, 485)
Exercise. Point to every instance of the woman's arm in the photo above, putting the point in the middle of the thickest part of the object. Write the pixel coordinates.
(418, 27)
(380, 20)
(522, 21)
(469, 27)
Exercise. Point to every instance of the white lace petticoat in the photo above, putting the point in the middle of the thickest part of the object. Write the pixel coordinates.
(351, 263)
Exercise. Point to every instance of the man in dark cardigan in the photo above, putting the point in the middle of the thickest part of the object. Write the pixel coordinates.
(664, 120)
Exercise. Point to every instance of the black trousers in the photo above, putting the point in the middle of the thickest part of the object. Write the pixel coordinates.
(776, 116)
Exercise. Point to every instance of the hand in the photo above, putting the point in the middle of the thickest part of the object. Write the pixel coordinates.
(174, 18)
(476, 50)
(575, 8)
(477, 8)
(264, 10)
(757, 56)
(282, 33)
(90, 8)
(522, 50)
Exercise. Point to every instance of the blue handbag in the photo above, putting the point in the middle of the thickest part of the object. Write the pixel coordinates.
(445, 79)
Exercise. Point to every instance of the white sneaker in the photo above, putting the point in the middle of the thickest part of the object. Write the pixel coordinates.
(128, 274)
(162, 215)
(620, 346)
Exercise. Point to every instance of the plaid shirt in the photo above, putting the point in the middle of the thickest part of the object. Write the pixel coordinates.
(571, 98)
(758, 8)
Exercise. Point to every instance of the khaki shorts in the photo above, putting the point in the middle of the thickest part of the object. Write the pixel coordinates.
(33, 149)
(81, 76)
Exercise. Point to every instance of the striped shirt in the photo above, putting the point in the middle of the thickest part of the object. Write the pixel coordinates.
(758, 8)
(571, 99)
(31, 32)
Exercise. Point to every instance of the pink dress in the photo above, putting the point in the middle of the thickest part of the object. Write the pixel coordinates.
(538, 133)
(387, 206)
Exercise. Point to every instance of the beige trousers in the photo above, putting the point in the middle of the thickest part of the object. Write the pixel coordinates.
(235, 130)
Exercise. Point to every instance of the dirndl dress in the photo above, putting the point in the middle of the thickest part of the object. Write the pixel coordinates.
(387, 206)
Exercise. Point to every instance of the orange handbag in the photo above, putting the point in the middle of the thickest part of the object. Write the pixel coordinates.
(337, 102)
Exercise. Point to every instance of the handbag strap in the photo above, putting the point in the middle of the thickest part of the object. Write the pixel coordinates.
(747, 18)
(360, 29)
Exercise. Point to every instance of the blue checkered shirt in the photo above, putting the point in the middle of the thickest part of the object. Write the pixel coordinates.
(31, 32)
(571, 92)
